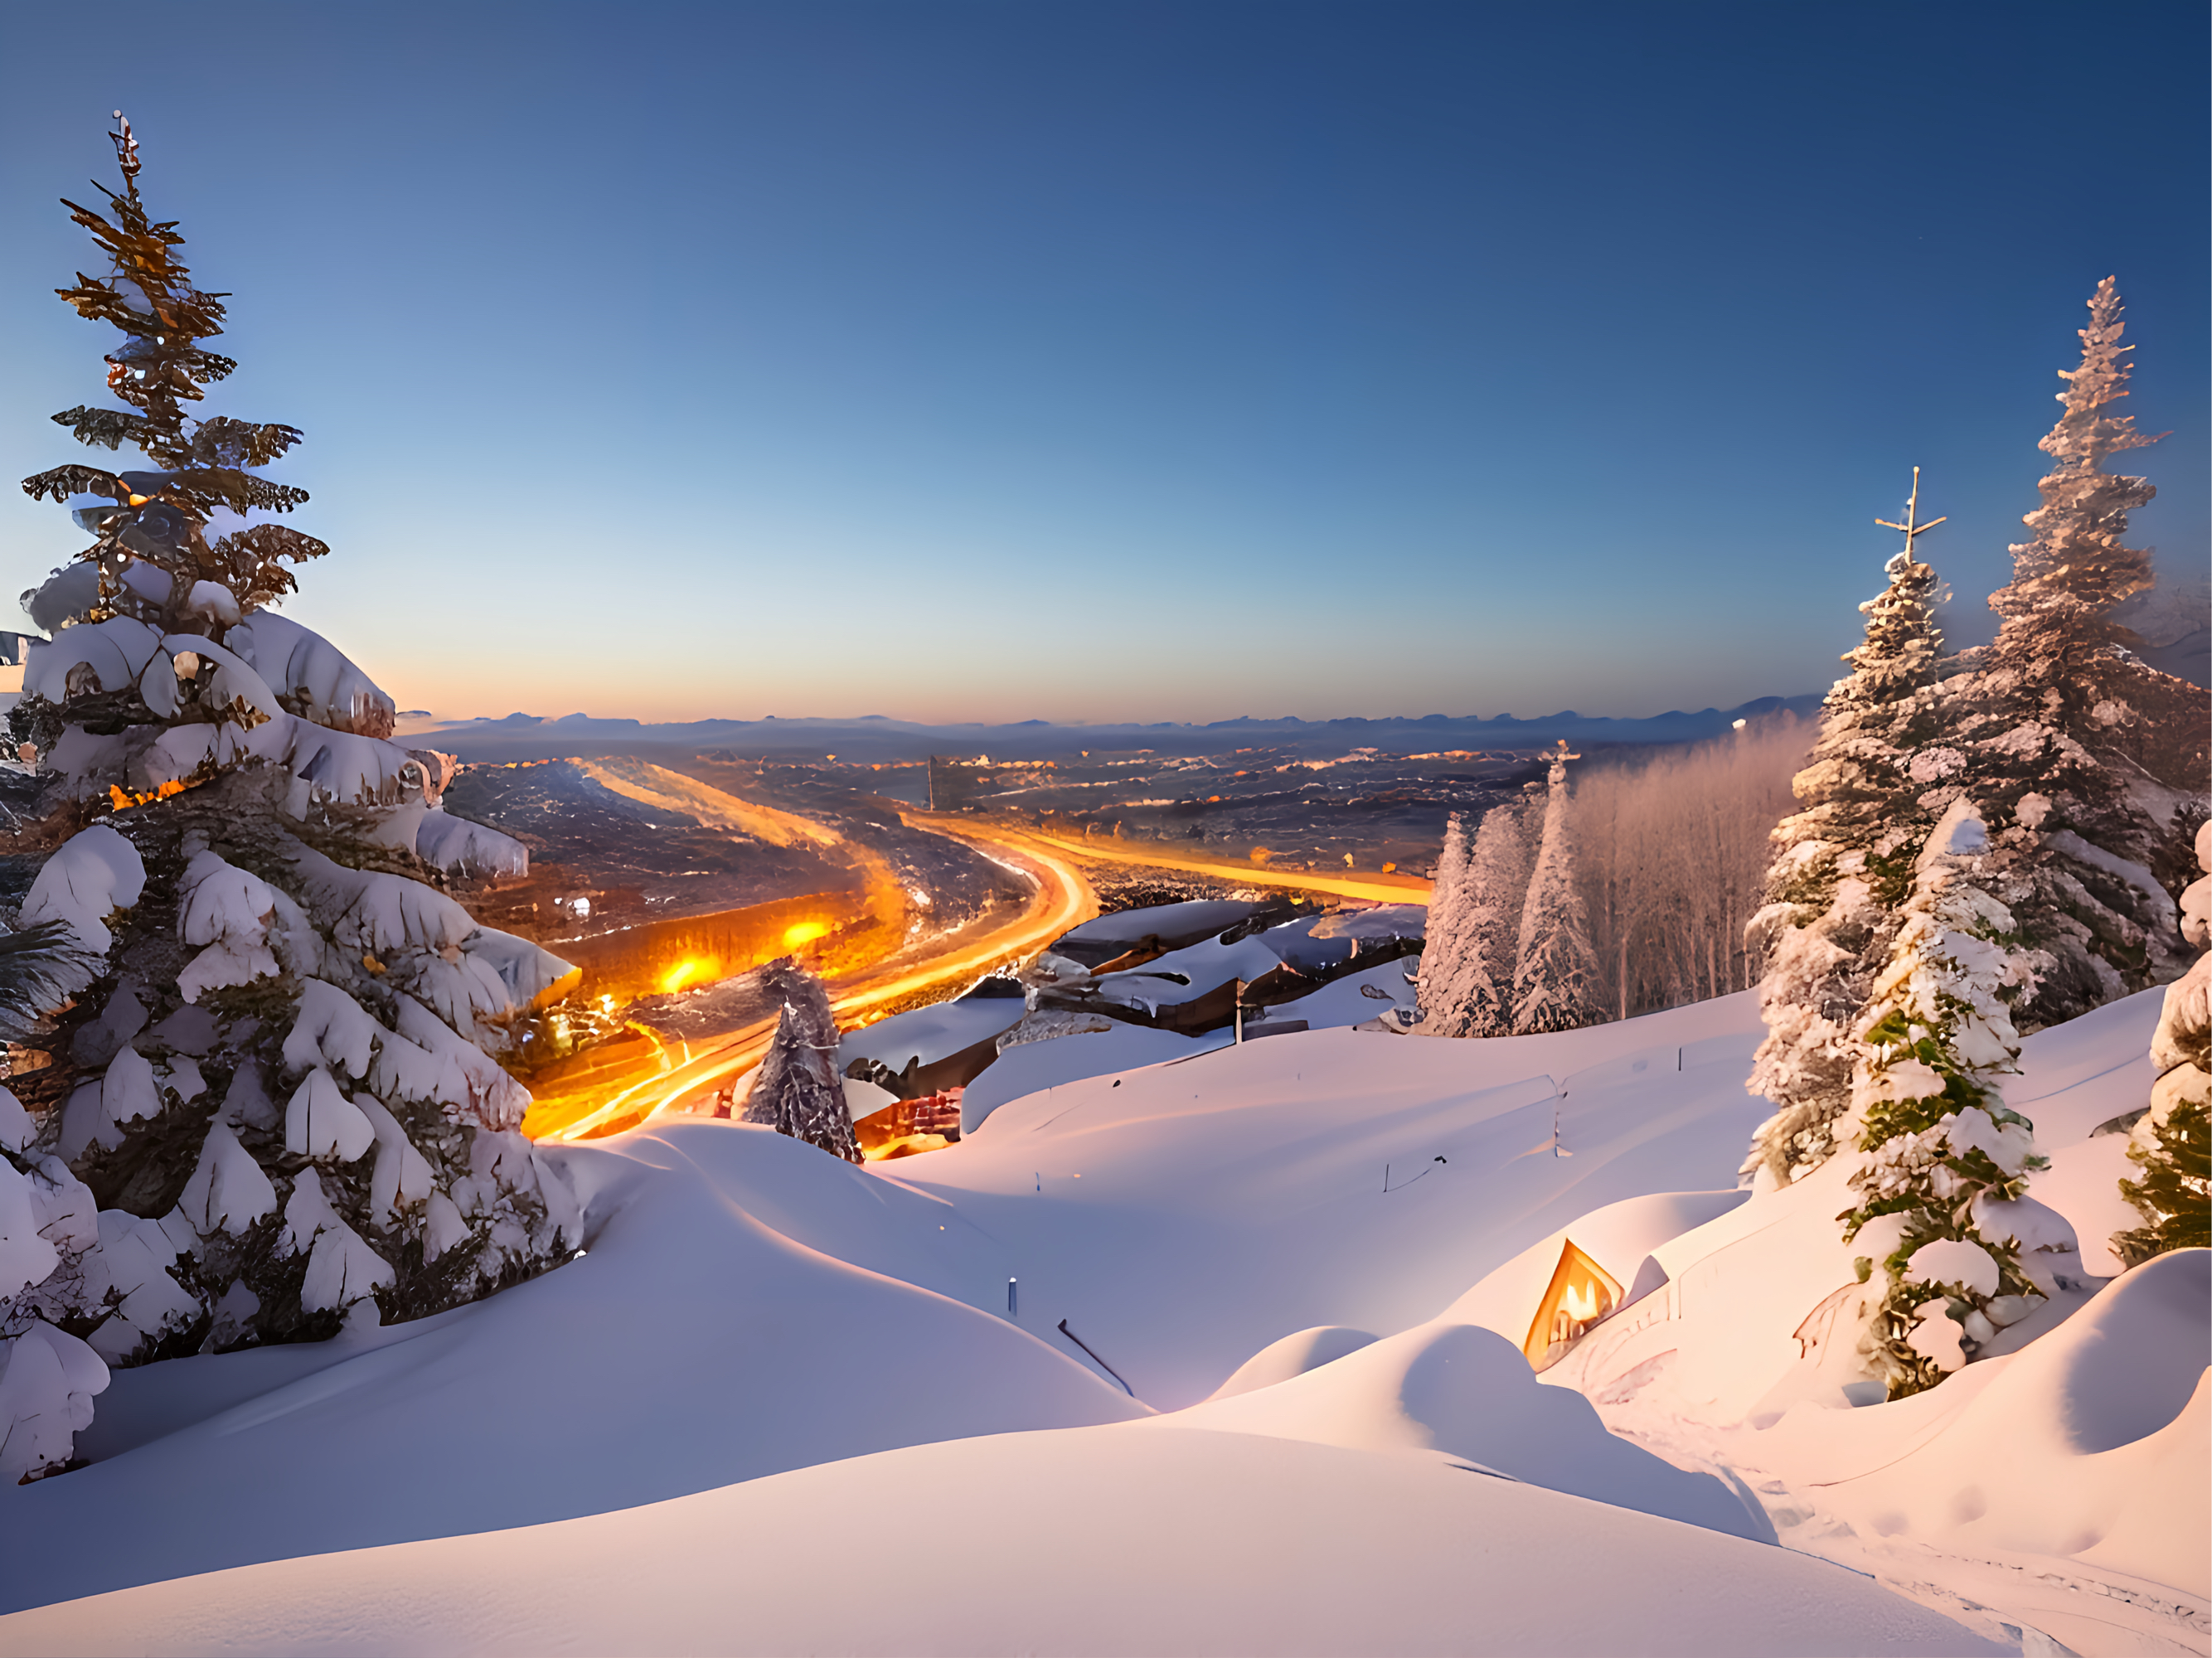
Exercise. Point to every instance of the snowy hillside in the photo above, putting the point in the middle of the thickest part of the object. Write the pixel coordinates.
(759, 1333)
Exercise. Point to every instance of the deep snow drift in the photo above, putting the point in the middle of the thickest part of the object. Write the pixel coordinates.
(749, 1306)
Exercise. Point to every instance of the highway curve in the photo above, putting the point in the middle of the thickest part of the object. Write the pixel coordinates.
(671, 1077)
(1373, 888)
(629, 1087)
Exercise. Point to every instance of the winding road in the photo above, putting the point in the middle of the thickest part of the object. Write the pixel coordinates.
(631, 1082)
(672, 1077)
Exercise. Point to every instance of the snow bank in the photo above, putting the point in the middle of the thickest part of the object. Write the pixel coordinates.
(1294, 1355)
(1081, 1541)
(1184, 1216)
(1468, 1392)
(1031, 1066)
(751, 1307)
(733, 1318)
(2090, 1444)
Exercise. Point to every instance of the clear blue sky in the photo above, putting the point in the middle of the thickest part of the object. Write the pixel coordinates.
(1099, 362)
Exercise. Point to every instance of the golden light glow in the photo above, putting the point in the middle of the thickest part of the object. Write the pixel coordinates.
(688, 971)
(123, 801)
(1062, 899)
(800, 932)
(1581, 1292)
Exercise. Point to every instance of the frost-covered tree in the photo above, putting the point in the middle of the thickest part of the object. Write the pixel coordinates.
(2171, 1144)
(2076, 753)
(1473, 934)
(1944, 1157)
(1671, 851)
(1555, 972)
(260, 1098)
(1444, 933)
(797, 1091)
(1842, 869)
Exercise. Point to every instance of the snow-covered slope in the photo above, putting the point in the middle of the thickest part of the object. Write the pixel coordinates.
(752, 1311)
(1184, 1216)
(734, 1317)
(1082, 1541)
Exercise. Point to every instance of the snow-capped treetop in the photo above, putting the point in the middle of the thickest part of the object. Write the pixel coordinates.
(157, 518)
(2075, 570)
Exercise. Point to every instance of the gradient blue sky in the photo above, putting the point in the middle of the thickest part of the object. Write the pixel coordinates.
(997, 360)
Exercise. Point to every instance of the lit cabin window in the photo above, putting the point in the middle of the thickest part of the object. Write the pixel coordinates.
(1580, 1294)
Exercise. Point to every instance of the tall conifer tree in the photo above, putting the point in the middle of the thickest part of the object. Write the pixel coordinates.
(2077, 754)
(1555, 978)
(1843, 867)
(1467, 963)
(263, 1100)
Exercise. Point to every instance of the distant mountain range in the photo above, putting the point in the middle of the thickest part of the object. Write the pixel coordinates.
(875, 738)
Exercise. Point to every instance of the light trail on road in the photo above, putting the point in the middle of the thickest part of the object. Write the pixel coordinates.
(1377, 889)
(1063, 899)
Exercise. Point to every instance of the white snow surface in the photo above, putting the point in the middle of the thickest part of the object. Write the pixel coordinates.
(765, 1348)
(90, 876)
(333, 690)
(1083, 1540)
(736, 1315)
(1030, 1067)
(931, 1034)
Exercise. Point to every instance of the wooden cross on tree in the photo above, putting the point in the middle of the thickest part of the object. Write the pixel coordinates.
(1912, 526)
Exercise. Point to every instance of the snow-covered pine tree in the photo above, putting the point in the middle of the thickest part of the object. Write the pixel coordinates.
(2078, 755)
(797, 1091)
(2171, 1144)
(1843, 868)
(1555, 973)
(271, 1106)
(1467, 960)
(1444, 933)
(1943, 1155)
